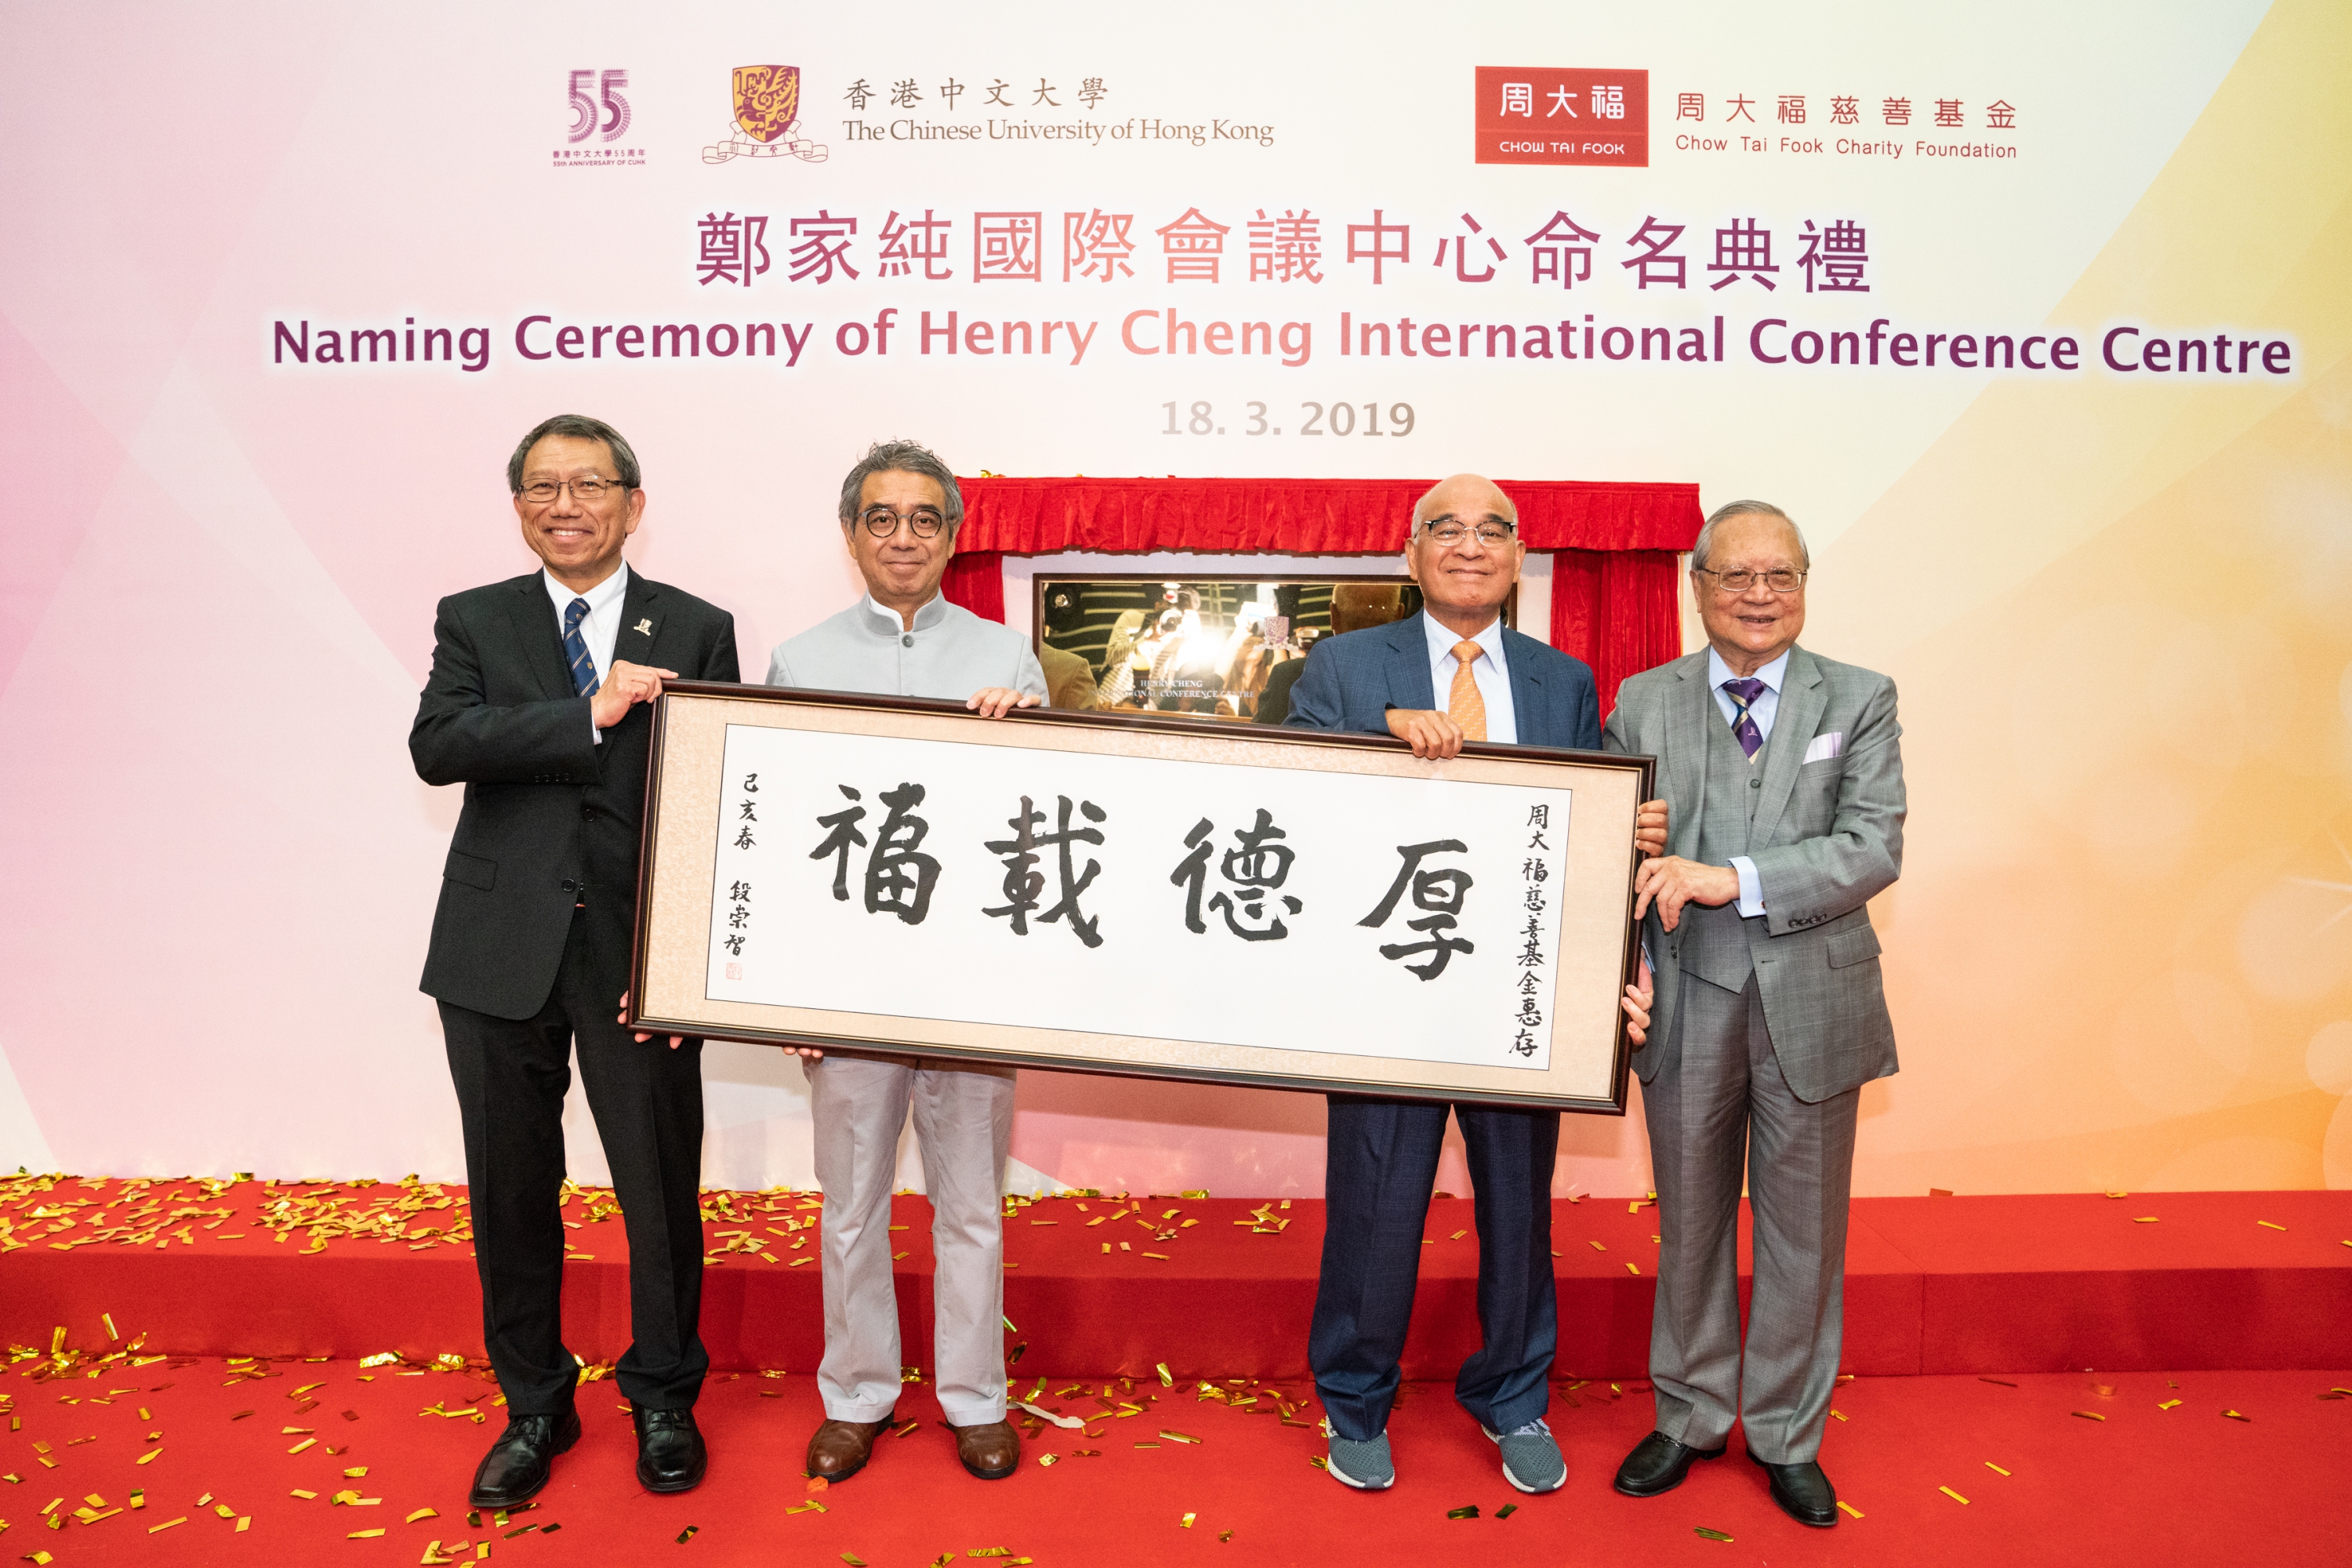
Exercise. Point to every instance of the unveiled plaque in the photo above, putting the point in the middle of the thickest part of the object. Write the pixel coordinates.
(1143, 896)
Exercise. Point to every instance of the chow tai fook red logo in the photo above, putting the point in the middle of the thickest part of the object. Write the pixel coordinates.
(1554, 114)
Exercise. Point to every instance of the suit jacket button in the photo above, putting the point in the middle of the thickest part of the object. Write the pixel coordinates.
(570, 887)
(1755, 784)
(587, 813)
(906, 641)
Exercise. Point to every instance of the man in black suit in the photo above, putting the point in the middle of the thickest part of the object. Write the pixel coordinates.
(535, 706)
(1381, 1153)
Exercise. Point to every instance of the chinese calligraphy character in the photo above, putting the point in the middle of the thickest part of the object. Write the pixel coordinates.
(1023, 882)
(898, 880)
(1562, 249)
(1005, 247)
(728, 244)
(1842, 111)
(1792, 108)
(1742, 247)
(996, 93)
(923, 240)
(1382, 232)
(744, 840)
(1255, 870)
(1560, 104)
(1656, 266)
(1519, 98)
(825, 248)
(1690, 106)
(1839, 253)
(1091, 92)
(1948, 112)
(1096, 245)
(1999, 116)
(858, 94)
(1194, 246)
(1607, 102)
(1895, 111)
(1285, 249)
(1439, 892)
(904, 95)
(950, 89)
(1739, 106)
(1044, 95)
(1461, 244)
(841, 837)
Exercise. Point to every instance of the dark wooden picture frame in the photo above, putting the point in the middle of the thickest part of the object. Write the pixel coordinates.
(684, 801)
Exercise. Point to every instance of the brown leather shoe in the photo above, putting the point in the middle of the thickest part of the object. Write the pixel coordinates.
(992, 1452)
(840, 1448)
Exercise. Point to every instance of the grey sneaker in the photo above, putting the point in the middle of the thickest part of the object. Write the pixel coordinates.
(1367, 1466)
(1531, 1460)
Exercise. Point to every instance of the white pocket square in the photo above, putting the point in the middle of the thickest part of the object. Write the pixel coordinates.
(1825, 747)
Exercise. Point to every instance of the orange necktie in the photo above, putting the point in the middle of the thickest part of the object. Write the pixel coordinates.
(1463, 705)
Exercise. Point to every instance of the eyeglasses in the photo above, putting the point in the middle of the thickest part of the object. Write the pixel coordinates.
(1781, 581)
(587, 491)
(1491, 534)
(882, 524)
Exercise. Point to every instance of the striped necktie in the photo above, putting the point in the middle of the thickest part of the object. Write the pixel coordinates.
(575, 649)
(1744, 693)
(1464, 704)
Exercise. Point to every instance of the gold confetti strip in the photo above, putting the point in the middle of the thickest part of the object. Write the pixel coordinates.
(2267, 1225)
(2087, 1415)
(688, 1533)
(2233, 1415)
(1467, 1511)
(2148, 1219)
(1849, 1508)
(1996, 1469)
(1953, 1495)
(2118, 1194)
(1179, 1437)
(1186, 1522)
(421, 1513)
(1596, 1246)
(159, 1528)
(1702, 1531)
(144, 1457)
(2168, 1404)
(1839, 1414)
(1633, 1268)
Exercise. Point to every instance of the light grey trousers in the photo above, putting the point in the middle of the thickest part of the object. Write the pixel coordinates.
(1719, 1103)
(964, 1124)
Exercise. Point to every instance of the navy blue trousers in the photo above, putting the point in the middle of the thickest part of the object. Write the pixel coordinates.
(1382, 1159)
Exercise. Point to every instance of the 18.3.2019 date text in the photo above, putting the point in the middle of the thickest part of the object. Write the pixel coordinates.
(1318, 419)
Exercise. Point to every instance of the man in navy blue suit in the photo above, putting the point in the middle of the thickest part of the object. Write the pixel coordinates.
(1450, 674)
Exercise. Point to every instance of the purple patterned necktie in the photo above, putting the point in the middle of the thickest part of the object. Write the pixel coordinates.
(1743, 693)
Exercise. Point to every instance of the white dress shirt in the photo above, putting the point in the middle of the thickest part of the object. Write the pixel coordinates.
(600, 629)
(1764, 710)
(1488, 671)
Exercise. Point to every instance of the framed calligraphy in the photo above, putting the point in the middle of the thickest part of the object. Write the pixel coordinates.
(1157, 896)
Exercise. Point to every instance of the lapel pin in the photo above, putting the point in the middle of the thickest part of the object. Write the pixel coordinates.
(644, 628)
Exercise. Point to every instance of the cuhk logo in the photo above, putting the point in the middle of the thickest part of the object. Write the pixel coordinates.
(767, 116)
(1553, 114)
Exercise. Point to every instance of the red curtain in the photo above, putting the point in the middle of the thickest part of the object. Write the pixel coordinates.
(1617, 610)
(1613, 587)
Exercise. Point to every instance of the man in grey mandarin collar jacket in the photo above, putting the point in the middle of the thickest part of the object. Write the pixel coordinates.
(1783, 774)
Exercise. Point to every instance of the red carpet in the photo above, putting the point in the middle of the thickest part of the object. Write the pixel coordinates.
(2143, 1486)
(1934, 1285)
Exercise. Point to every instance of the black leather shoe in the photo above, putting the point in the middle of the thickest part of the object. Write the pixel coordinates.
(1658, 1464)
(1803, 1493)
(517, 1465)
(670, 1455)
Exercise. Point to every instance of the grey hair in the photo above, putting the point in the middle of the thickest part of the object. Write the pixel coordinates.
(1511, 513)
(900, 457)
(1703, 545)
(579, 428)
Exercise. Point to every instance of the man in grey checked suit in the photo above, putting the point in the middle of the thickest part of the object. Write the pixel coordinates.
(1783, 775)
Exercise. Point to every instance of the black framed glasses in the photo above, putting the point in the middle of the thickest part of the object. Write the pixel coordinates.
(1779, 580)
(882, 523)
(1450, 533)
(587, 491)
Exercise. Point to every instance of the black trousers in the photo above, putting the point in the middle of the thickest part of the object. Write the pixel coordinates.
(511, 1076)
(1380, 1159)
